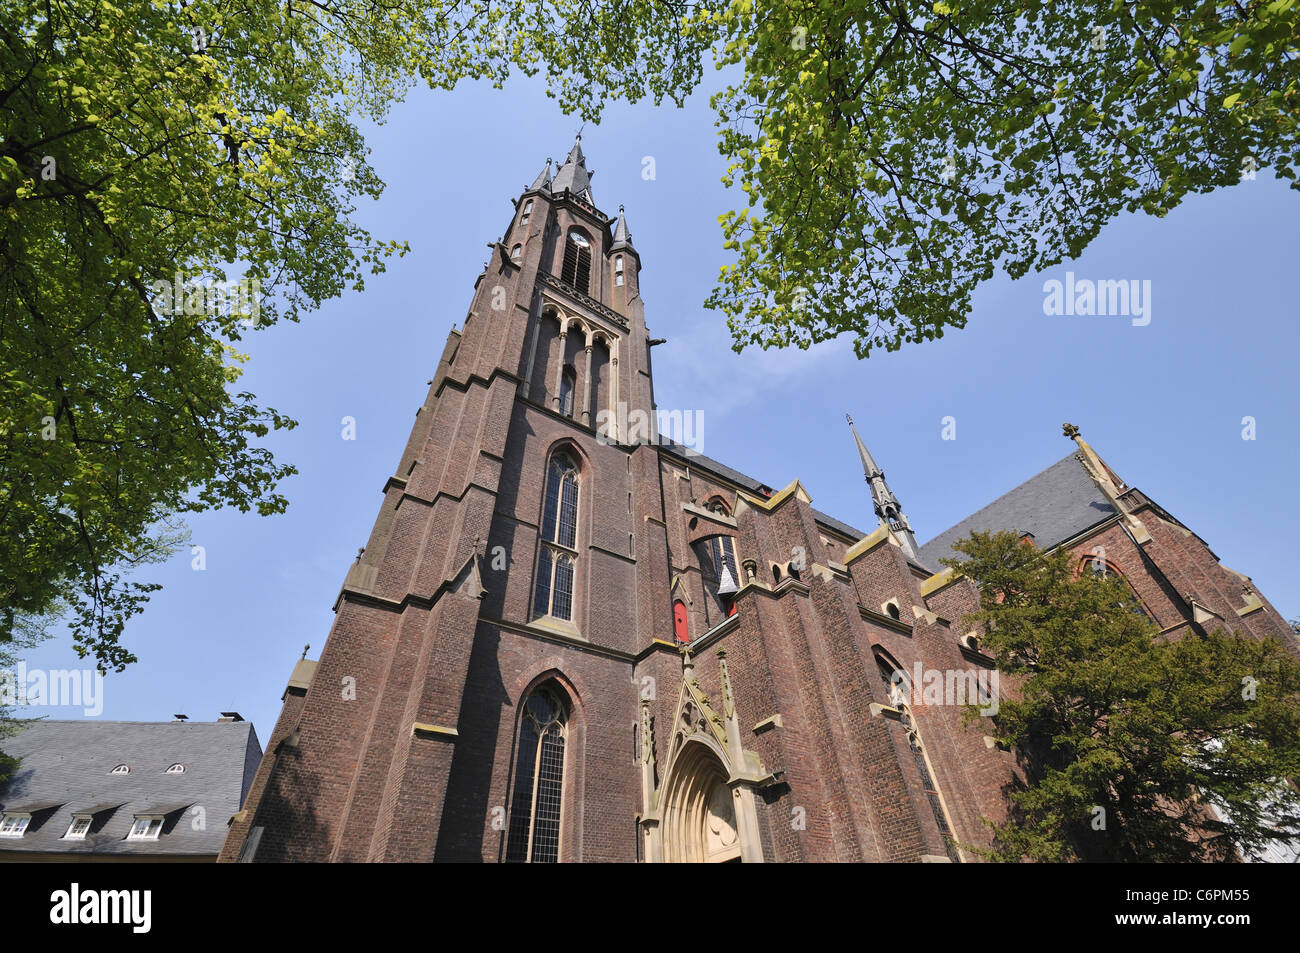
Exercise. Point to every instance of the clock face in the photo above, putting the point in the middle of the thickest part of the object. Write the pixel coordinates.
(579, 239)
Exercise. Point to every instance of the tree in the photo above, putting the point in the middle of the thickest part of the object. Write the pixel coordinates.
(149, 149)
(894, 155)
(1125, 735)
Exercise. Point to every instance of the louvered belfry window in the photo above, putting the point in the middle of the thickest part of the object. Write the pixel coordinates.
(577, 262)
(534, 835)
(557, 558)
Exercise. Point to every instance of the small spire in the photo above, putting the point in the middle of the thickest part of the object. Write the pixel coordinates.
(543, 180)
(622, 237)
(888, 510)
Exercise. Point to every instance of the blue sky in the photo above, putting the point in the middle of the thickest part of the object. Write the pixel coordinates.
(1163, 404)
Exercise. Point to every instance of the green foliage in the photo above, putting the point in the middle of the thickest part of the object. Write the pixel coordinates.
(895, 156)
(1111, 715)
(145, 145)
(892, 157)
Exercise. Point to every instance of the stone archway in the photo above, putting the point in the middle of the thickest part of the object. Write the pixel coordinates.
(699, 810)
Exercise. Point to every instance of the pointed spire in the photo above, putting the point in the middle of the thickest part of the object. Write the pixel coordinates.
(543, 180)
(622, 237)
(573, 174)
(888, 510)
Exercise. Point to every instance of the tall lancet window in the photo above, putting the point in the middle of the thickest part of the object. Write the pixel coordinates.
(900, 693)
(577, 262)
(568, 383)
(535, 810)
(558, 552)
(717, 559)
(528, 212)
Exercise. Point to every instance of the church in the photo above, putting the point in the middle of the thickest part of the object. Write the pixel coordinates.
(567, 640)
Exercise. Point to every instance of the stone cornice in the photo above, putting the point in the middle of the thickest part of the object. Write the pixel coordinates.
(586, 300)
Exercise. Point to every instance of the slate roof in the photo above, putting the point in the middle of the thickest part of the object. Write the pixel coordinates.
(690, 458)
(66, 764)
(573, 174)
(1057, 504)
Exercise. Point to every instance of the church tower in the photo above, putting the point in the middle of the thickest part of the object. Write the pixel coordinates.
(568, 639)
(518, 555)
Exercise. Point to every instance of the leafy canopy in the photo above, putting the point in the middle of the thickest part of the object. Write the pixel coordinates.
(1126, 735)
(151, 148)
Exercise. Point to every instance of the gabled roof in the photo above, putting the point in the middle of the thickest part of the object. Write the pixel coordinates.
(1057, 504)
(67, 763)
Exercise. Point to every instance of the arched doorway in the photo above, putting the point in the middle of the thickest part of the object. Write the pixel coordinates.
(699, 816)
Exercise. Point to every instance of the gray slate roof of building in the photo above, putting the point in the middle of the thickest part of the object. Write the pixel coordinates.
(67, 763)
(1057, 504)
(691, 458)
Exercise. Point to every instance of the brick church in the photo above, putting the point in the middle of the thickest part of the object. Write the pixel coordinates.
(564, 642)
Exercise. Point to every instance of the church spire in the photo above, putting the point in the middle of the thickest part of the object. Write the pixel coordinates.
(573, 174)
(622, 238)
(888, 509)
(543, 180)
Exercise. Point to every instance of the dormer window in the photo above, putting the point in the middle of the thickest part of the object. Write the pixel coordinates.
(528, 212)
(79, 827)
(146, 827)
(14, 825)
(576, 270)
(176, 768)
(121, 769)
(618, 270)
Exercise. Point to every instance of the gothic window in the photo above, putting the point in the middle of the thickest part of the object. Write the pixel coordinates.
(517, 252)
(568, 383)
(900, 692)
(557, 557)
(717, 559)
(618, 270)
(528, 212)
(534, 835)
(1100, 567)
(576, 270)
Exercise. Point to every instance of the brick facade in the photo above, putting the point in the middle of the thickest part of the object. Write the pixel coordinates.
(403, 742)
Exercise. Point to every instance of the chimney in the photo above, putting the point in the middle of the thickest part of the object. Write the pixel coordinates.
(231, 716)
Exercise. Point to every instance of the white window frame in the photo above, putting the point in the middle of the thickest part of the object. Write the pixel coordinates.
(177, 768)
(152, 827)
(79, 819)
(121, 769)
(14, 824)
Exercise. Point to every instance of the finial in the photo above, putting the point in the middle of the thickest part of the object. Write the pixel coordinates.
(1070, 430)
(620, 208)
(304, 650)
(849, 419)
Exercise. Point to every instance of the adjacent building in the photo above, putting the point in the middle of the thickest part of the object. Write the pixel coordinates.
(118, 791)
